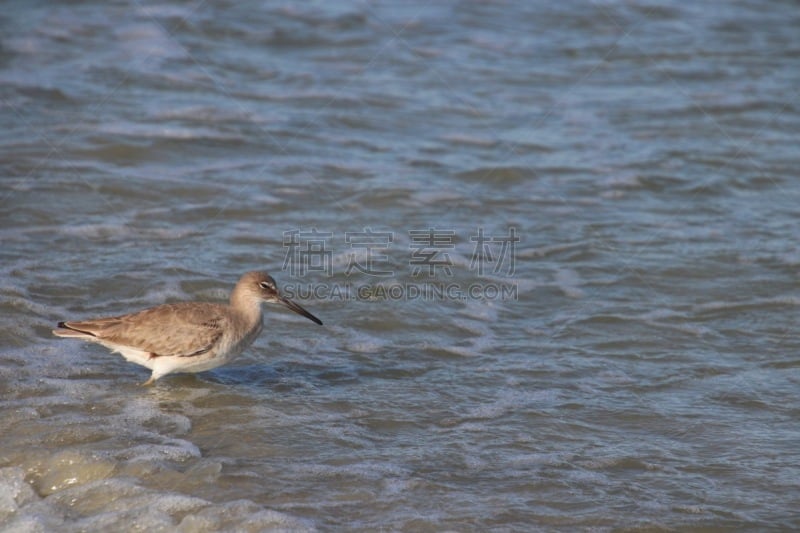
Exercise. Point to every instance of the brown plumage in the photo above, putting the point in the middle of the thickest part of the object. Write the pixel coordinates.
(186, 337)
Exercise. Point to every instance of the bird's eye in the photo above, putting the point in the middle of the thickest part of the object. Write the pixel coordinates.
(266, 285)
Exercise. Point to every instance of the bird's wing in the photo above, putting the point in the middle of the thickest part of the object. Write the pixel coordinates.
(177, 330)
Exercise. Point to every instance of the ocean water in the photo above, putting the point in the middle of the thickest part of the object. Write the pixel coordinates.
(554, 245)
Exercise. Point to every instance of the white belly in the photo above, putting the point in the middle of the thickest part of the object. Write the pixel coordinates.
(225, 351)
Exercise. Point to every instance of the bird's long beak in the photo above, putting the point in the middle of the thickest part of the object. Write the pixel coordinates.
(299, 310)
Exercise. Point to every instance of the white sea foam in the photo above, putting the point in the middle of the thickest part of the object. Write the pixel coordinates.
(109, 503)
(361, 342)
(120, 231)
(15, 492)
(777, 301)
(569, 282)
(103, 487)
(147, 41)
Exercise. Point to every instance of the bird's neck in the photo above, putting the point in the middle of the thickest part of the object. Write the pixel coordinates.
(247, 307)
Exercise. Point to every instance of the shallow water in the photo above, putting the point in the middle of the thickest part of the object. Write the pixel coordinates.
(640, 370)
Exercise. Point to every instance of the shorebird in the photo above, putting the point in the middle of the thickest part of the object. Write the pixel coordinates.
(188, 336)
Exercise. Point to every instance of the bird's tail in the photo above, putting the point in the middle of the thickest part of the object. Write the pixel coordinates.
(64, 330)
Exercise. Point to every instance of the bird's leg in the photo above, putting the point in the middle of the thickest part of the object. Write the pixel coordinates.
(149, 382)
